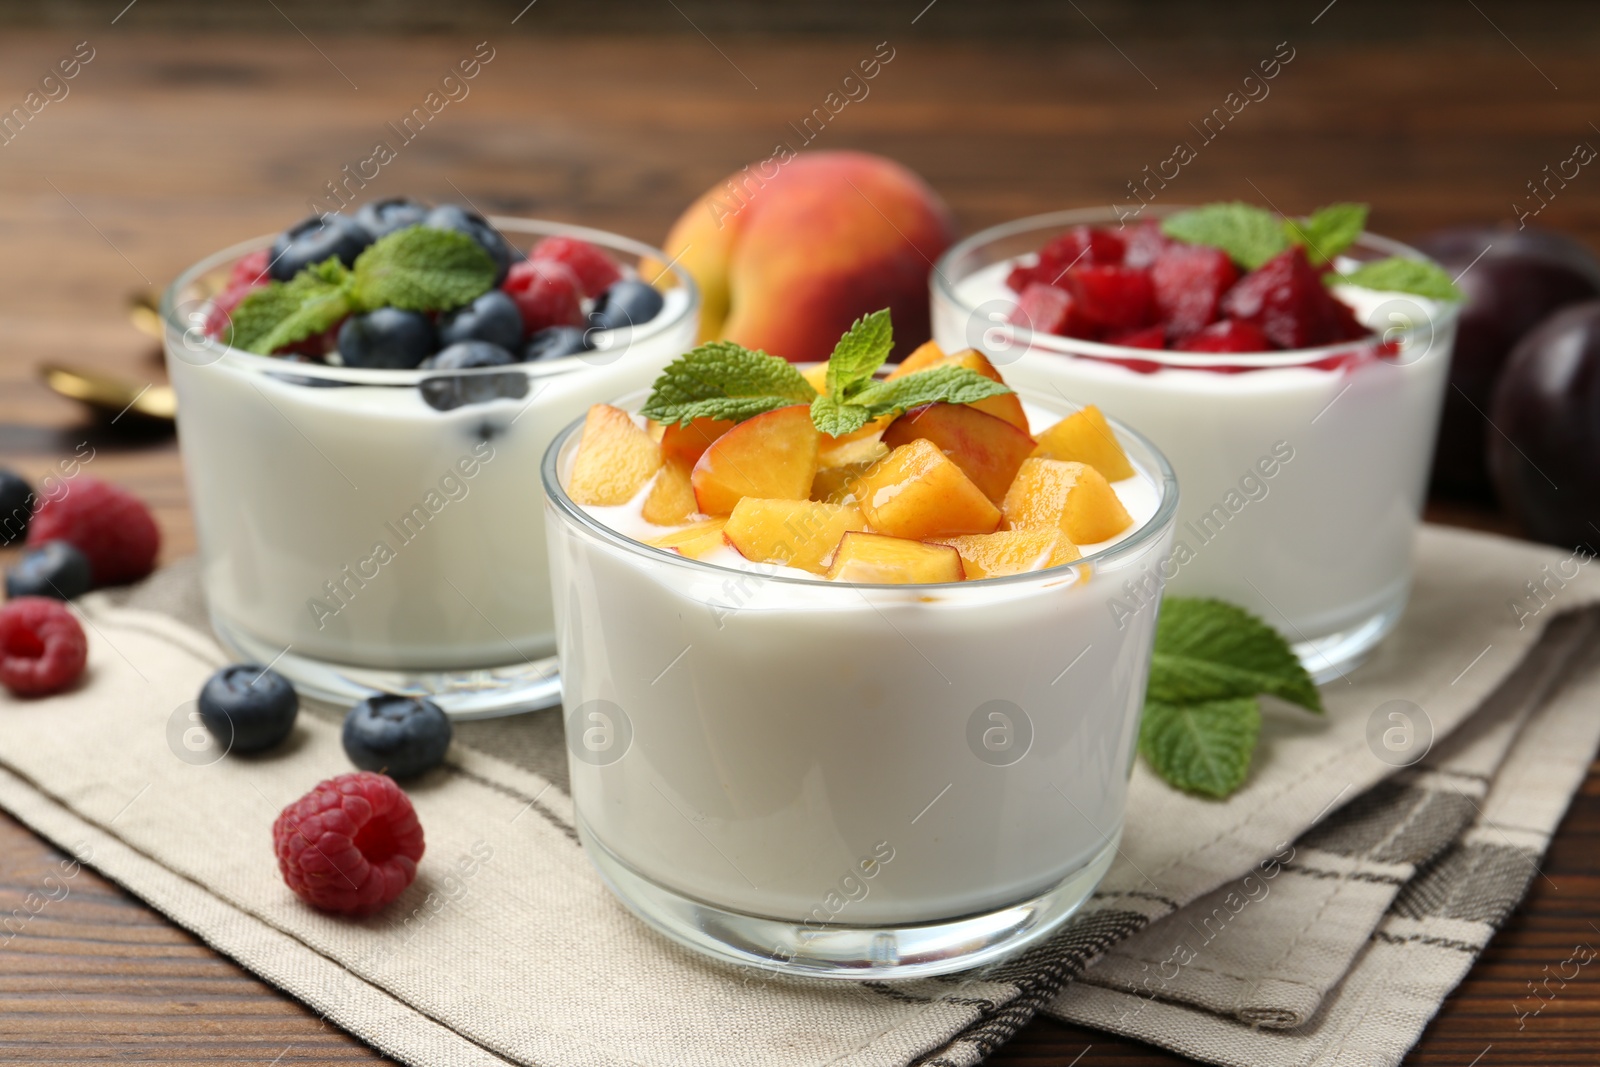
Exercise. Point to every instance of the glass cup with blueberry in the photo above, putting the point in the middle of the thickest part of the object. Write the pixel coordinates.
(364, 400)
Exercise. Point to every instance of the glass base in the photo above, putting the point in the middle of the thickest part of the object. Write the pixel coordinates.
(483, 693)
(849, 952)
(1336, 655)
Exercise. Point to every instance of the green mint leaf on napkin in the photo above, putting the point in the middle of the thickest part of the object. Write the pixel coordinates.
(1201, 748)
(281, 313)
(723, 380)
(951, 385)
(1398, 274)
(421, 269)
(1250, 235)
(859, 354)
(1329, 231)
(1201, 717)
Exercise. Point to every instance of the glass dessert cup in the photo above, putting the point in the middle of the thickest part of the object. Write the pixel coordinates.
(844, 780)
(1303, 471)
(379, 530)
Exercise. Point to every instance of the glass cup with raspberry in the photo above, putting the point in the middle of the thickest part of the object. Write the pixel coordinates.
(1299, 411)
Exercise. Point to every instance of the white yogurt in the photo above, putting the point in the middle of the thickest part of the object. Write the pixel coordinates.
(1301, 487)
(804, 750)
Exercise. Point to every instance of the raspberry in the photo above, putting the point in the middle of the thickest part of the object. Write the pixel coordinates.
(251, 270)
(1229, 335)
(547, 293)
(1188, 282)
(42, 648)
(595, 270)
(109, 525)
(1115, 298)
(351, 845)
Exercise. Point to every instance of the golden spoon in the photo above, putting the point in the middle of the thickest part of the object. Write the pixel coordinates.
(113, 396)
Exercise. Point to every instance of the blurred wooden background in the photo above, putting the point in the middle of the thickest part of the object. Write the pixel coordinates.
(196, 125)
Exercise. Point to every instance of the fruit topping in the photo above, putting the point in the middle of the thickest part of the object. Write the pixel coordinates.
(1085, 437)
(315, 239)
(446, 393)
(109, 525)
(689, 442)
(53, 569)
(874, 559)
(1046, 309)
(556, 342)
(696, 541)
(625, 304)
(615, 459)
(1003, 552)
(1188, 282)
(458, 219)
(42, 647)
(772, 456)
(1144, 337)
(1286, 299)
(1079, 246)
(383, 217)
(1112, 298)
(492, 317)
(595, 270)
(248, 708)
(987, 449)
(1229, 335)
(918, 492)
(671, 501)
(466, 355)
(349, 846)
(547, 293)
(396, 735)
(1072, 497)
(791, 533)
(388, 339)
(1145, 243)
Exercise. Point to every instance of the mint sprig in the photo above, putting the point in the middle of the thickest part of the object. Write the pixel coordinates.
(1212, 661)
(723, 380)
(1252, 235)
(417, 269)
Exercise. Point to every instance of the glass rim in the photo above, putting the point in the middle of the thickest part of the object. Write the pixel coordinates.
(1442, 317)
(177, 330)
(1163, 519)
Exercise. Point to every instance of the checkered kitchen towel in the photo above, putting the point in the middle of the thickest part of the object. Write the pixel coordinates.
(507, 949)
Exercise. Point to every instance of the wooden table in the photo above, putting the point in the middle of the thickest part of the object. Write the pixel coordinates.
(169, 147)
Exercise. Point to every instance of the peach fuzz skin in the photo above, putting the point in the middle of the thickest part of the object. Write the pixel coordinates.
(785, 264)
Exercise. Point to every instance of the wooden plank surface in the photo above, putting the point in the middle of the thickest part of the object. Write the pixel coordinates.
(170, 145)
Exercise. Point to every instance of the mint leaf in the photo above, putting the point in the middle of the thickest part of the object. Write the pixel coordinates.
(421, 269)
(1398, 274)
(950, 384)
(859, 354)
(281, 313)
(1249, 235)
(1201, 714)
(1212, 650)
(1202, 748)
(1329, 231)
(836, 417)
(723, 380)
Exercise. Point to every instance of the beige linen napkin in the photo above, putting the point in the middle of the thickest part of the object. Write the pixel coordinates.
(508, 948)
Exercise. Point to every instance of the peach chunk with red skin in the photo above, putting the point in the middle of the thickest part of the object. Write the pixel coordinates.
(689, 442)
(1007, 406)
(772, 456)
(988, 450)
(918, 492)
(1072, 497)
(696, 540)
(615, 459)
(1012, 551)
(878, 559)
(793, 533)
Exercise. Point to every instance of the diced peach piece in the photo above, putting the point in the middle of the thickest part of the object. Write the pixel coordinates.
(878, 559)
(838, 452)
(919, 492)
(1071, 497)
(1006, 406)
(696, 541)
(987, 449)
(1084, 437)
(772, 456)
(670, 501)
(615, 459)
(795, 533)
(837, 485)
(922, 357)
(689, 443)
(817, 375)
(1012, 551)
(656, 430)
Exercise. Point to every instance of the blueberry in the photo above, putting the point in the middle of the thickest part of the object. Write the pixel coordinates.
(247, 707)
(450, 391)
(493, 317)
(475, 226)
(465, 355)
(16, 506)
(553, 342)
(387, 338)
(53, 569)
(626, 303)
(314, 240)
(383, 217)
(395, 735)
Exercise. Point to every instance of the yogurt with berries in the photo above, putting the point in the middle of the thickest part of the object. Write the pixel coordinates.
(836, 777)
(366, 498)
(1303, 468)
